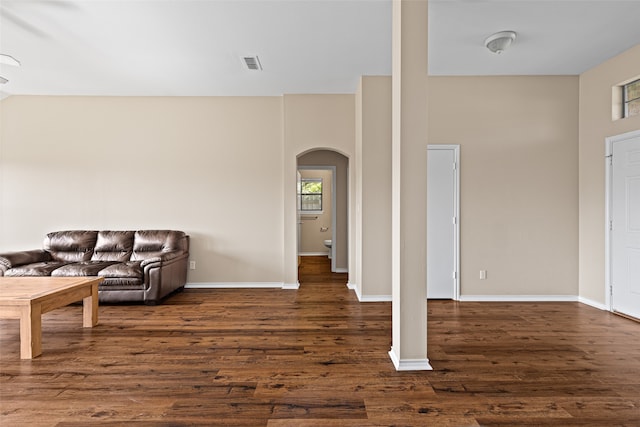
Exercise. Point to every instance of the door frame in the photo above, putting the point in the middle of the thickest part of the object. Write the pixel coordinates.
(333, 208)
(456, 200)
(609, 141)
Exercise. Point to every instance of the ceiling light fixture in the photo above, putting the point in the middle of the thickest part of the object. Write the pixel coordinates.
(499, 42)
(7, 60)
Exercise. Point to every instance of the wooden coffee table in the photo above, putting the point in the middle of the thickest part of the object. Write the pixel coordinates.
(27, 298)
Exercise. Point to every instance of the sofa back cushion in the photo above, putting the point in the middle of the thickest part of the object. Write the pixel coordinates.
(154, 243)
(71, 246)
(113, 246)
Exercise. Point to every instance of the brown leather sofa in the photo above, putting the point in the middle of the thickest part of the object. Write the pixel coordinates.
(137, 266)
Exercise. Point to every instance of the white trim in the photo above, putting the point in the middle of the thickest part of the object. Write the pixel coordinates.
(409, 364)
(609, 141)
(358, 294)
(519, 298)
(456, 197)
(375, 298)
(291, 286)
(593, 303)
(314, 254)
(341, 270)
(241, 285)
(370, 298)
(352, 286)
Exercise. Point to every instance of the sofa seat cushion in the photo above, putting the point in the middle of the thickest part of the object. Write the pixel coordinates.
(129, 269)
(122, 284)
(122, 276)
(85, 268)
(35, 269)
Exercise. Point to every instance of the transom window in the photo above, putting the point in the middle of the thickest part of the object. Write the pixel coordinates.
(311, 195)
(631, 98)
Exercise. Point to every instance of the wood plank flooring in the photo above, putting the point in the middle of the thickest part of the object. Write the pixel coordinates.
(317, 357)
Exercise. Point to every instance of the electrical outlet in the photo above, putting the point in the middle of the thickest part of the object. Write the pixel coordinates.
(192, 265)
(483, 274)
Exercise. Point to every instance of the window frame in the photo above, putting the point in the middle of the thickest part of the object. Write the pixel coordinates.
(302, 194)
(625, 101)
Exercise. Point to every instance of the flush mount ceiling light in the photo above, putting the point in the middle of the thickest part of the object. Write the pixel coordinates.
(499, 42)
(7, 60)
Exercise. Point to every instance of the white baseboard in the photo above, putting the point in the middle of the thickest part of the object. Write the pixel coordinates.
(593, 303)
(368, 298)
(341, 270)
(241, 285)
(313, 254)
(519, 298)
(409, 364)
(291, 286)
(375, 298)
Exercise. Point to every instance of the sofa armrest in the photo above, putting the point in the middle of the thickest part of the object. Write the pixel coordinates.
(166, 257)
(149, 261)
(160, 259)
(13, 259)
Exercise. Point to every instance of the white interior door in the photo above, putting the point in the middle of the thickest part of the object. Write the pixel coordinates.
(625, 227)
(442, 246)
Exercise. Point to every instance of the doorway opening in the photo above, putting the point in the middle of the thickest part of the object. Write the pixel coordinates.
(316, 201)
(323, 207)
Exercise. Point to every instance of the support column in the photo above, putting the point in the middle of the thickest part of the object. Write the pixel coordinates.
(409, 185)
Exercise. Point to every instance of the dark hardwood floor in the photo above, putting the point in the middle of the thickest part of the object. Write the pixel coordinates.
(317, 357)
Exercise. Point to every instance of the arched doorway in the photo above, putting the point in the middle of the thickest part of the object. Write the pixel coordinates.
(330, 222)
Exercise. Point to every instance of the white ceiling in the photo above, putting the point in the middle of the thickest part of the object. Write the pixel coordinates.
(554, 36)
(194, 47)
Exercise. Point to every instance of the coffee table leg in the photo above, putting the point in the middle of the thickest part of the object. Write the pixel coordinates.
(31, 332)
(90, 308)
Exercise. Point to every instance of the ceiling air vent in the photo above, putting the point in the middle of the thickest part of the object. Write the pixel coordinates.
(252, 63)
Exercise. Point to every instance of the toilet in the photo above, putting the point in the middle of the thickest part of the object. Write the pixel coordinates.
(327, 244)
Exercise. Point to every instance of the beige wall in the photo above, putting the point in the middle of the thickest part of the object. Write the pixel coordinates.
(519, 179)
(92, 162)
(313, 232)
(596, 124)
(313, 122)
(209, 166)
(373, 204)
(187, 163)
